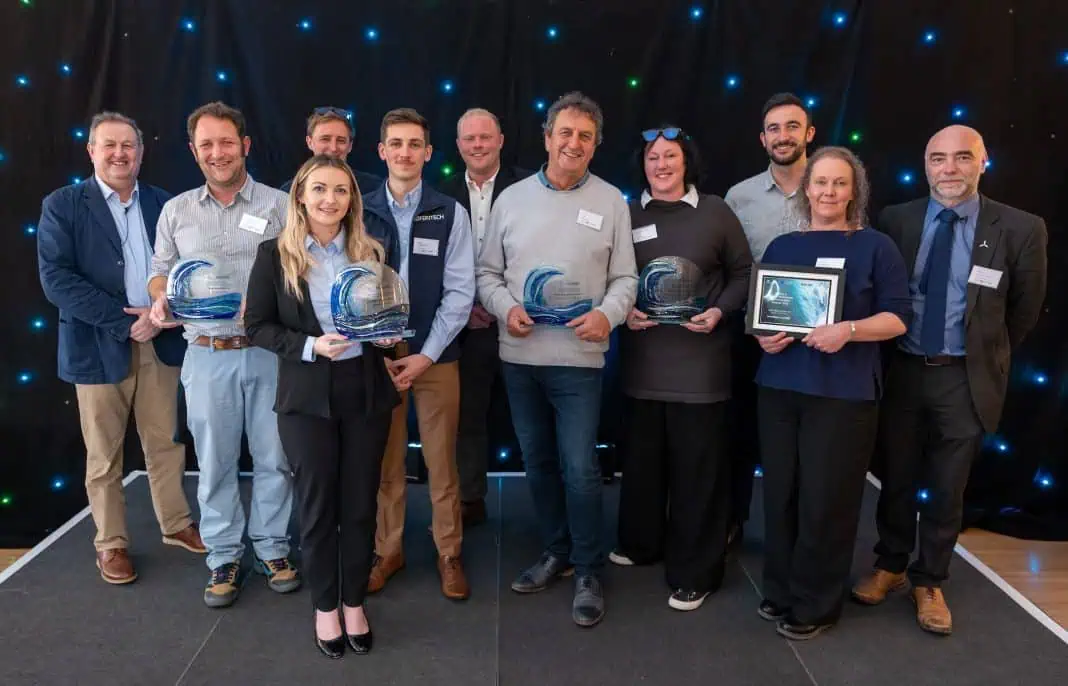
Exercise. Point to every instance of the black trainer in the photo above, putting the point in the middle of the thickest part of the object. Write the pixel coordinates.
(687, 599)
(538, 576)
(772, 612)
(789, 627)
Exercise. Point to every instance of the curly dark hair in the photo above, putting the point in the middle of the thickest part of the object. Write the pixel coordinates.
(857, 210)
(691, 157)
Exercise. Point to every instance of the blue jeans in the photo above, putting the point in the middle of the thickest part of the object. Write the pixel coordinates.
(555, 411)
(227, 391)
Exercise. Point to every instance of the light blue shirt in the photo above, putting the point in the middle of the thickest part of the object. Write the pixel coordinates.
(548, 184)
(327, 261)
(458, 275)
(960, 264)
(133, 237)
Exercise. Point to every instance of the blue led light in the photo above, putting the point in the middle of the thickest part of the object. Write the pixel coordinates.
(370, 33)
(1043, 479)
(552, 32)
(626, 197)
(221, 76)
(758, 471)
(840, 18)
(3, 156)
(958, 112)
(188, 25)
(25, 377)
(79, 134)
(811, 101)
(601, 446)
(696, 12)
(539, 105)
(1040, 379)
(415, 445)
(906, 177)
(447, 86)
(929, 37)
(22, 80)
(58, 483)
(1002, 446)
(923, 495)
(732, 81)
(304, 24)
(65, 69)
(37, 323)
(29, 229)
(502, 455)
(1064, 57)
(75, 179)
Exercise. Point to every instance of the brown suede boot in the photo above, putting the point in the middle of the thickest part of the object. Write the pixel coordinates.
(931, 610)
(453, 581)
(383, 568)
(873, 589)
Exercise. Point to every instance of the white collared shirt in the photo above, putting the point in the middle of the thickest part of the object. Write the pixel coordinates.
(481, 199)
(690, 198)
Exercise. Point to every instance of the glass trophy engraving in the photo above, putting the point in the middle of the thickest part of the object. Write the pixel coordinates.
(550, 298)
(369, 302)
(203, 288)
(667, 290)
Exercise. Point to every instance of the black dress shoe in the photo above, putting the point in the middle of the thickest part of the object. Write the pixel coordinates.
(361, 643)
(789, 627)
(772, 611)
(334, 648)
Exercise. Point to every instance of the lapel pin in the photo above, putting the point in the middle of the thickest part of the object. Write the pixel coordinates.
(984, 245)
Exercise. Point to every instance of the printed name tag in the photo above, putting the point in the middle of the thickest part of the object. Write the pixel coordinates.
(590, 219)
(831, 262)
(425, 246)
(253, 223)
(644, 233)
(982, 276)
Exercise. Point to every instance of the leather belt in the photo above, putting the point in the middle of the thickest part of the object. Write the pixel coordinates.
(223, 342)
(939, 360)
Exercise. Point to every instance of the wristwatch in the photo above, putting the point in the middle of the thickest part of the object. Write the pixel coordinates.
(852, 330)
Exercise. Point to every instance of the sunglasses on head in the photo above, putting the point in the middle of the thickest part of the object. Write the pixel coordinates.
(671, 133)
(337, 111)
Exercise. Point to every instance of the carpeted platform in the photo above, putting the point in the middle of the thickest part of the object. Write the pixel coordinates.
(63, 625)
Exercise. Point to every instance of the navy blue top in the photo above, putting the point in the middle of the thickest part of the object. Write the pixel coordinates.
(876, 281)
(960, 264)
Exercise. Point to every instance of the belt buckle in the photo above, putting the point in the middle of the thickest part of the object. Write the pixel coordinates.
(218, 343)
(927, 361)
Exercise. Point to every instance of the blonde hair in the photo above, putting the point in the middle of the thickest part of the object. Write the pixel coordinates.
(296, 261)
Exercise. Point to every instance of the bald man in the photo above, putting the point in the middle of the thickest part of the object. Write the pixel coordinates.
(977, 280)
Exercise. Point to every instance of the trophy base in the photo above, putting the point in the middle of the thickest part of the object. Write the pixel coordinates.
(374, 338)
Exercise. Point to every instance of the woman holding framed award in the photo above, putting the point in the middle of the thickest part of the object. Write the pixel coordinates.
(335, 396)
(694, 262)
(820, 302)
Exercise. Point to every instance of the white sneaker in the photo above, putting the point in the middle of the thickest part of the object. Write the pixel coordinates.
(620, 559)
(685, 600)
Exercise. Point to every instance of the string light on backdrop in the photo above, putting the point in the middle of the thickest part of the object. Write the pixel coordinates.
(539, 105)
(840, 19)
(37, 323)
(447, 86)
(732, 81)
(958, 112)
(79, 134)
(65, 69)
(552, 32)
(446, 169)
(221, 76)
(188, 25)
(25, 377)
(906, 177)
(811, 101)
(758, 471)
(29, 229)
(304, 24)
(696, 12)
(58, 482)
(930, 37)
(1043, 479)
(370, 33)
(923, 495)
(856, 137)
(22, 81)
(633, 82)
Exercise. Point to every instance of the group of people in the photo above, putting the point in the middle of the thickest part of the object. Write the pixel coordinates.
(934, 299)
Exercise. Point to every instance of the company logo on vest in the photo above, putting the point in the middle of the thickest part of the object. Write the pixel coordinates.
(440, 216)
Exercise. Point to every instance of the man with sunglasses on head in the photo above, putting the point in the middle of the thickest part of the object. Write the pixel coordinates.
(332, 133)
(577, 223)
(479, 140)
(762, 203)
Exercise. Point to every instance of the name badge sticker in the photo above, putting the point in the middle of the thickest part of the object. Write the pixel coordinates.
(250, 222)
(425, 246)
(590, 219)
(644, 233)
(984, 276)
(831, 262)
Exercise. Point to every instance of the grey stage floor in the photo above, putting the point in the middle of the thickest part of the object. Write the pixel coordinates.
(62, 625)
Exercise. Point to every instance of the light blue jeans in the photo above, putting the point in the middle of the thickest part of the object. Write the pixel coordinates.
(226, 392)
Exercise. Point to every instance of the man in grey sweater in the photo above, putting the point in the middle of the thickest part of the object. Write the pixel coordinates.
(568, 219)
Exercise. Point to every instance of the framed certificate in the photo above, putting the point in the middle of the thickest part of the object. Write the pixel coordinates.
(793, 300)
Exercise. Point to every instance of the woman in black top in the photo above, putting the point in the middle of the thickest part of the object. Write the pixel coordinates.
(335, 397)
(676, 377)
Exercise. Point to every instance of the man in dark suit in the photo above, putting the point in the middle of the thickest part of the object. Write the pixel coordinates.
(332, 133)
(977, 279)
(479, 140)
(94, 247)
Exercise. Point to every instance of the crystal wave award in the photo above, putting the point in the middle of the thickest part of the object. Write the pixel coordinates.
(551, 298)
(203, 288)
(668, 290)
(369, 302)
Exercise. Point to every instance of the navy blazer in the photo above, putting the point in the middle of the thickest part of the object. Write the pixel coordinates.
(80, 262)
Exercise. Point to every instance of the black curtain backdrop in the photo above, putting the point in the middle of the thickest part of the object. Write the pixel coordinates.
(883, 75)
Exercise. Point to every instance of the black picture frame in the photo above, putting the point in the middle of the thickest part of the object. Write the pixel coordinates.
(756, 323)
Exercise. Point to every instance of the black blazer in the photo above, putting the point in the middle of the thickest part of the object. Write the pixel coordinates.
(277, 321)
(456, 186)
(996, 320)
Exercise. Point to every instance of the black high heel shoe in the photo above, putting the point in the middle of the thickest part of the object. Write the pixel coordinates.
(334, 648)
(361, 643)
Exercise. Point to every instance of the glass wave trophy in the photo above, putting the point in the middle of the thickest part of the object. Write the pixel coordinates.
(667, 290)
(369, 302)
(203, 289)
(550, 298)
(793, 300)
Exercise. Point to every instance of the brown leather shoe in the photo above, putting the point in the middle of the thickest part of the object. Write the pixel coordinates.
(382, 569)
(931, 610)
(115, 566)
(873, 589)
(453, 582)
(473, 513)
(188, 538)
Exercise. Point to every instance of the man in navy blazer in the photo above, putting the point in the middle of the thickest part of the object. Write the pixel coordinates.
(94, 248)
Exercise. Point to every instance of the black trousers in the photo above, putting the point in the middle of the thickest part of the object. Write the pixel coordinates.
(816, 453)
(480, 369)
(337, 466)
(929, 436)
(674, 497)
(744, 433)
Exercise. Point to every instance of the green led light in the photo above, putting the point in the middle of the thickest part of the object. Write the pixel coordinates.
(5, 499)
(633, 82)
(446, 170)
(27, 3)
(856, 137)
